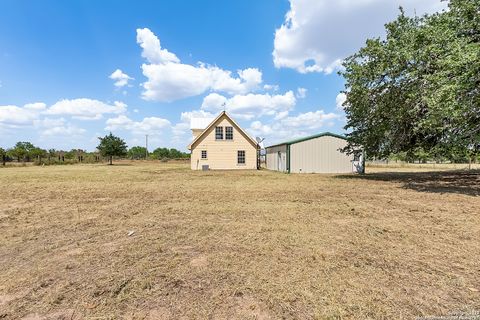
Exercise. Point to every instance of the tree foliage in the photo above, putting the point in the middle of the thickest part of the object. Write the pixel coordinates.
(22, 151)
(417, 90)
(165, 153)
(3, 155)
(137, 152)
(112, 146)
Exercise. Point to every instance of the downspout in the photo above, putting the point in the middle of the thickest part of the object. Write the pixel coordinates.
(266, 155)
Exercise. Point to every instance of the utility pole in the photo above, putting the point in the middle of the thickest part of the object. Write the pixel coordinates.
(146, 146)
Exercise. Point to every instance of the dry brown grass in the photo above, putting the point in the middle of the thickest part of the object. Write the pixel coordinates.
(236, 245)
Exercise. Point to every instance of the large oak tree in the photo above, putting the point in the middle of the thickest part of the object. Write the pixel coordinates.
(417, 88)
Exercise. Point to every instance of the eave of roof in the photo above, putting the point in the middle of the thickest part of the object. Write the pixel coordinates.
(323, 134)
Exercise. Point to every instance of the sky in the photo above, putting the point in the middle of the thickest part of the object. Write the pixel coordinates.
(72, 71)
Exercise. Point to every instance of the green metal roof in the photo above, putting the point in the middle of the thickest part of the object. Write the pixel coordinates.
(323, 134)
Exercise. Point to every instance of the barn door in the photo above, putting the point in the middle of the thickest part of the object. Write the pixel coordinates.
(279, 161)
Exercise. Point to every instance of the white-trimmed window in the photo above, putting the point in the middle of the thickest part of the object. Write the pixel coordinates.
(218, 133)
(241, 156)
(228, 133)
(204, 154)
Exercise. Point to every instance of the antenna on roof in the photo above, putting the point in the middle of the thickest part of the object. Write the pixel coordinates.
(224, 106)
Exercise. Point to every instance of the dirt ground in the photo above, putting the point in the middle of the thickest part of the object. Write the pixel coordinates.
(158, 241)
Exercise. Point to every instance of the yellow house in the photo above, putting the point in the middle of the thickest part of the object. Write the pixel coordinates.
(222, 144)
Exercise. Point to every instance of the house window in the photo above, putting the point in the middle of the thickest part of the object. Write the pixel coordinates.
(241, 156)
(204, 154)
(229, 133)
(218, 133)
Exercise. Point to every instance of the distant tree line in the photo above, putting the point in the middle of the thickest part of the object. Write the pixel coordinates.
(109, 147)
(138, 153)
(24, 151)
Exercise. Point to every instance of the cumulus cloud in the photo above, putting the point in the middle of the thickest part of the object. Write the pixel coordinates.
(147, 125)
(318, 34)
(168, 79)
(273, 87)
(340, 100)
(301, 93)
(32, 116)
(251, 105)
(152, 50)
(181, 130)
(57, 127)
(11, 115)
(36, 106)
(121, 79)
(293, 126)
(63, 130)
(85, 109)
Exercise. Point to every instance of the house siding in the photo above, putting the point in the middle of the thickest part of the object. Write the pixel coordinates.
(222, 154)
(273, 161)
(320, 155)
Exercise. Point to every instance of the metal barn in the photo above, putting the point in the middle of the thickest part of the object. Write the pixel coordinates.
(319, 153)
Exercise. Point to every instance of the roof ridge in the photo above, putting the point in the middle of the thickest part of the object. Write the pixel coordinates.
(318, 135)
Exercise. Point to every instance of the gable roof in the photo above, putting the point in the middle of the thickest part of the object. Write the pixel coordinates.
(223, 113)
(323, 134)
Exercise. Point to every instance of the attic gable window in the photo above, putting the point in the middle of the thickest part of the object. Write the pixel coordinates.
(204, 154)
(228, 133)
(218, 133)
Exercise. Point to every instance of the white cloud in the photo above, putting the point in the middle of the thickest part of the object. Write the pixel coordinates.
(250, 106)
(63, 130)
(312, 120)
(152, 51)
(31, 116)
(301, 93)
(57, 127)
(168, 79)
(121, 79)
(149, 125)
(318, 34)
(36, 106)
(181, 130)
(13, 115)
(273, 87)
(286, 128)
(85, 109)
(340, 100)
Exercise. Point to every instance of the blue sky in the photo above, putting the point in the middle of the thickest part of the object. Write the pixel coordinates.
(71, 71)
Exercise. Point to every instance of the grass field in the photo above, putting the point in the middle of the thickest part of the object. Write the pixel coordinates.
(158, 241)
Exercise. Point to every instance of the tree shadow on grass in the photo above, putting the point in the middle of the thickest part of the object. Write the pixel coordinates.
(460, 182)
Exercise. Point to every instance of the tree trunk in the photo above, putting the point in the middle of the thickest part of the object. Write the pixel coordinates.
(111, 160)
(4, 159)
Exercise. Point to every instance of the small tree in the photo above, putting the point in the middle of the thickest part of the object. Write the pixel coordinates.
(137, 152)
(38, 154)
(52, 153)
(3, 155)
(175, 154)
(111, 146)
(161, 153)
(22, 150)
